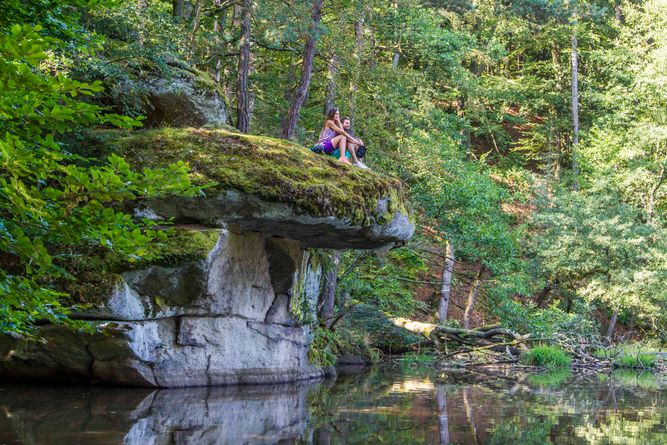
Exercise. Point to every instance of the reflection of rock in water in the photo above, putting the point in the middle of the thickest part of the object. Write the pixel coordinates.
(223, 415)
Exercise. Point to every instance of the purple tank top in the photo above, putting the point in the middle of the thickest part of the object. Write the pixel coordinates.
(327, 134)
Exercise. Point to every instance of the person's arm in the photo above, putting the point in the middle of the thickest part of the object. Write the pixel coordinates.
(339, 130)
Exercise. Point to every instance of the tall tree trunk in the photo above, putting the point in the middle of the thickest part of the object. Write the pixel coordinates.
(218, 29)
(141, 7)
(472, 297)
(395, 58)
(301, 91)
(618, 13)
(612, 326)
(446, 286)
(358, 55)
(329, 290)
(443, 416)
(330, 96)
(177, 9)
(554, 161)
(242, 93)
(575, 112)
(196, 20)
(653, 195)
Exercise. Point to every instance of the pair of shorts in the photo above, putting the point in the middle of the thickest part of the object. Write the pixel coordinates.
(327, 146)
(336, 154)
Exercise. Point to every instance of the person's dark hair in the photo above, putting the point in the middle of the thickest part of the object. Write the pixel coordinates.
(331, 113)
(346, 119)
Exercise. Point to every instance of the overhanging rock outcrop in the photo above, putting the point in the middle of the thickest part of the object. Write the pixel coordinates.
(273, 187)
(235, 301)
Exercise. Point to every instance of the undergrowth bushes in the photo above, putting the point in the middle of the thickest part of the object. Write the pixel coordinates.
(547, 356)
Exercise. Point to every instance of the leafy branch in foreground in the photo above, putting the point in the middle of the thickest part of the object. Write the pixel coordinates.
(55, 206)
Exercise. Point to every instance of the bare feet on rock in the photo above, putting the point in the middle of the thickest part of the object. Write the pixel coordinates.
(344, 160)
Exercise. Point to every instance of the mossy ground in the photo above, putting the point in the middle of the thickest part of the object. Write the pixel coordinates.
(274, 169)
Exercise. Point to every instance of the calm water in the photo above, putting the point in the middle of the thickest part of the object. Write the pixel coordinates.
(392, 406)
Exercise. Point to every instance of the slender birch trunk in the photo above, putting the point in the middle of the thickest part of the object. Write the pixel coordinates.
(575, 112)
(330, 96)
(472, 298)
(612, 326)
(141, 7)
(653, 195)
(446, 287)
(196, 20)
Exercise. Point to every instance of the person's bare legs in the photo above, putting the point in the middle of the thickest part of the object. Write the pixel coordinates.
(340, 142)
(352, 148)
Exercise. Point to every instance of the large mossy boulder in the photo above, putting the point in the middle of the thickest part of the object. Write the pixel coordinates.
(167, 93)
(186, 98)
(271, 186)
(232, 297)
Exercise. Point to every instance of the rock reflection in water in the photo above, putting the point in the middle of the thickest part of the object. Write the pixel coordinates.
(220, 415)
(397, 406)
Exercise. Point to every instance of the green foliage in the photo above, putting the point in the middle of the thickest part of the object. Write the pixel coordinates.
(550, 323)
(392, 293)
(416, 359)
(322, 351)
(54, 205)
(638, 355)
(547, 356)
(639, 360)
(468, 103)
(601, 248)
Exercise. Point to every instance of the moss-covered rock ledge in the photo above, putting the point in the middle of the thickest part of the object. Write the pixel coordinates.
(271, 186)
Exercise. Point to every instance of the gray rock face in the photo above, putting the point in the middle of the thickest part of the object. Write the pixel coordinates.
(266, 414)
(222, 321)
(248, 212)
(186, 99)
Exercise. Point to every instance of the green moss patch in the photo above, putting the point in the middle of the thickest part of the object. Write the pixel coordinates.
(96, 278)
(274, 169)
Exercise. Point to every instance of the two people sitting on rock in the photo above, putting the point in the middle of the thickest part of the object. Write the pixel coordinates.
(336, 140)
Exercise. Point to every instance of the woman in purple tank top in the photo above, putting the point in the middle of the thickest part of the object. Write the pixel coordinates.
(333, 136)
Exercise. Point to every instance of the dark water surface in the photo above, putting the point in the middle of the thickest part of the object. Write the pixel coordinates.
(393, 405)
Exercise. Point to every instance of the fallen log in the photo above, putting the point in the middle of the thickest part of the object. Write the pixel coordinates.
(484, 338)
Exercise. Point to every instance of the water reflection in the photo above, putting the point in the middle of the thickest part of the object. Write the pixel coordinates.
(258, 415)
(383, 406)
